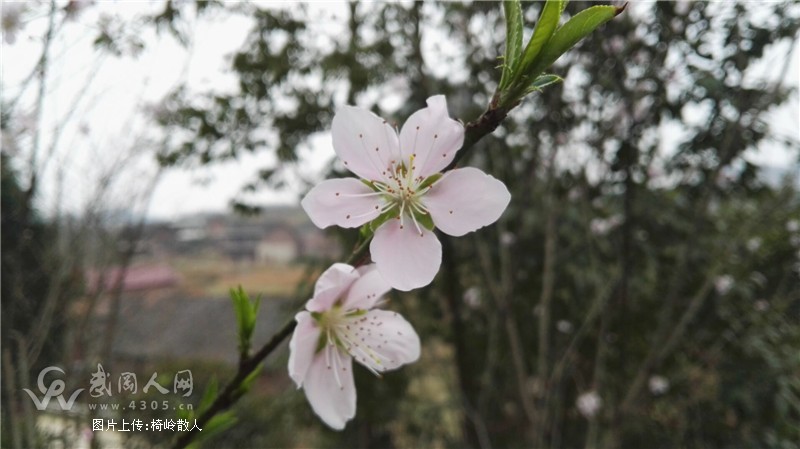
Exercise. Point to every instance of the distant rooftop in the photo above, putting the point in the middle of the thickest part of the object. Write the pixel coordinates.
(137, 278)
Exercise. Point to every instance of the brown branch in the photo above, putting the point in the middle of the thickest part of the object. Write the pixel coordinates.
(480, 128)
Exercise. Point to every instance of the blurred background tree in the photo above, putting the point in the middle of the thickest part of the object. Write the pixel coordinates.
(643, 287)
(47, 246)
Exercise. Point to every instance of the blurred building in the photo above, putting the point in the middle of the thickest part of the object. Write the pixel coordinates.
(279, 235)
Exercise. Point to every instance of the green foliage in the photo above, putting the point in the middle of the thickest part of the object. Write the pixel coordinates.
(547, 44)
(545, 27)
(513, 13)
(208, 396)
(220, 422)
(569, 34)
(246, 315)
(543, 81)
(247, 383)
(214, 427)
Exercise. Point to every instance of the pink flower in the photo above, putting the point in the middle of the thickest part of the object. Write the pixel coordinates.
(340, 325)
(402, 192)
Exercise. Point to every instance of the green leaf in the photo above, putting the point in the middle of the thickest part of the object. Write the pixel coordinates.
(208, 396)
(247, 383)
(216, 425)
(237, 296)
(185, 414)
(513, 13)
(545, 27)
(219, 423)
(246, 314)
(543, 81)
(578, 27)
(254, 315)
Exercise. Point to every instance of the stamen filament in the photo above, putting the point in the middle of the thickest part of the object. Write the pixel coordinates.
(328, 351)
(336, 364)
(370, 212)
(354, 195)
(387, 207)
(420, 208)
(369, 157)
(364, 356)
(414, 219)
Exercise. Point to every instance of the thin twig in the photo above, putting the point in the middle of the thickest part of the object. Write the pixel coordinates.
(663, 348)
(545, 298)
(30, 190)
(500, 291)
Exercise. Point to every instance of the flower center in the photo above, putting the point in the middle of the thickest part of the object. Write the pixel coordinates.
(403, 193)
(351, 332)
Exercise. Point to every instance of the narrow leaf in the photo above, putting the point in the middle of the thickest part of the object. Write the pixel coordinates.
(216, 425)
(543, 81)
(239, 307)
(252, 315)
(578, 27)
(246, 312)
(208, 396)
(247, 383)
(513, 13)
(545, 27)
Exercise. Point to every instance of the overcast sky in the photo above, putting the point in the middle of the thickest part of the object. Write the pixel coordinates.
(109, 121)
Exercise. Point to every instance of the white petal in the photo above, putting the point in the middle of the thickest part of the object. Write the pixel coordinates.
(432, 136)
(345, 202)
(331, 285)
(367, 290)
(364, 142)
(332, 395)
(389, 341)
(302, 347)
(406, 259)
(466, 199)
